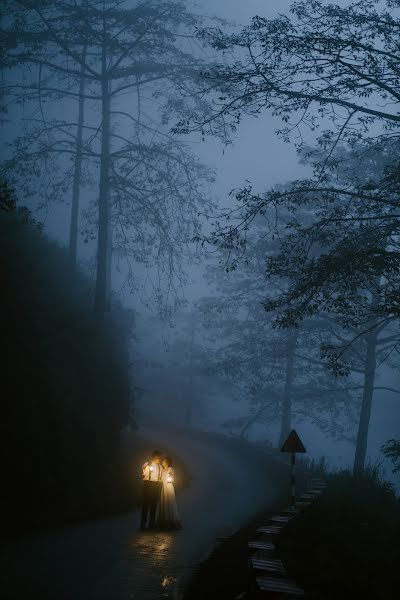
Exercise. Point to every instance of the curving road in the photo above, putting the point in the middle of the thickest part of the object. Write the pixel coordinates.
(111, 559)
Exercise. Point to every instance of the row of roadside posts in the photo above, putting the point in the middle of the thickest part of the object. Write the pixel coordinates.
(268, 575)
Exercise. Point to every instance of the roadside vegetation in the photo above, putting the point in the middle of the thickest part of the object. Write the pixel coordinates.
(66, 387)
(348, 543)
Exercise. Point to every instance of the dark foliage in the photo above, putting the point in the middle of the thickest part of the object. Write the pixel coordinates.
(321, 66)
(64, 382)
(225, 573)
(104, 122)
(347, 545)
(392, 451)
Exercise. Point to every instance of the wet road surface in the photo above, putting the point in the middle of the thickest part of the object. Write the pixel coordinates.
(111, 559)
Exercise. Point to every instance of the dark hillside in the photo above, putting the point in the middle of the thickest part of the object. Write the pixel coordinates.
(64, 380)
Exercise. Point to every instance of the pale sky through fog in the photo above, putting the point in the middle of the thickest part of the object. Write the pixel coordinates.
(256, 154)
(241, 11)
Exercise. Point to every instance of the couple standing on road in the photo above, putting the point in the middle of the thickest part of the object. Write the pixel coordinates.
(159, 494)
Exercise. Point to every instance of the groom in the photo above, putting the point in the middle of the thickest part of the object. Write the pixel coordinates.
(152, 483)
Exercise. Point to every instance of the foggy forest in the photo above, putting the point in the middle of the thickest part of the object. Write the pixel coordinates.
(200, 275)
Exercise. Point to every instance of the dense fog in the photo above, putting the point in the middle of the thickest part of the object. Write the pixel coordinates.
(214, 339)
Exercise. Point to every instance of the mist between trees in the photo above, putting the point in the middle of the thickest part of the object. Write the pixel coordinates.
(97, 83)
(328, 246)
(302, 306)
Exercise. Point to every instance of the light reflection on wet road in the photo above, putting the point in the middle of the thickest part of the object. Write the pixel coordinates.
(162, 577)
(112, 560)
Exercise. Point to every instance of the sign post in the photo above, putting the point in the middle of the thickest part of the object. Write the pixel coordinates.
(293, 444)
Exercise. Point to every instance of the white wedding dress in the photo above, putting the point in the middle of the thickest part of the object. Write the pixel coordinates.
(168, 517)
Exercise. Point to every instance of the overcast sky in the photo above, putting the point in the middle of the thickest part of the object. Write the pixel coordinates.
(242, 10)
(257, 154)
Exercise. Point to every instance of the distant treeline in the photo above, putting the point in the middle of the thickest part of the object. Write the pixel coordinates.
(64, 380)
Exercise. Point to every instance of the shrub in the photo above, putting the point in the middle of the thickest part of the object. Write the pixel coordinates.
(64, 383)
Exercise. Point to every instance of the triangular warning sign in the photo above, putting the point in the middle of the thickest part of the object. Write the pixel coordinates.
(293, 443)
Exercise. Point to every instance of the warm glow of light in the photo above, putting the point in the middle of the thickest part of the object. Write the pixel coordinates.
(167, 581)
(169, 479)
(151, 468)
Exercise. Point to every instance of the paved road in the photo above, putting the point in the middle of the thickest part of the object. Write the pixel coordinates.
(112, 560)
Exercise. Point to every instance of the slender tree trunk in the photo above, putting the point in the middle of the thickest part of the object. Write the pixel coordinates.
(109, 257)
(365, 414)
(244, 432)
(190, 398)
(73, 232)
(109, 242)
(368, 390)
(189, 405)
(288, 390)
(101, 297)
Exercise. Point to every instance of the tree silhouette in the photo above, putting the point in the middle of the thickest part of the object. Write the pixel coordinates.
(104, 79)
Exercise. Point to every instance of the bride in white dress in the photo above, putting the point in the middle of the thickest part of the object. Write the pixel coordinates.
(168, 511)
